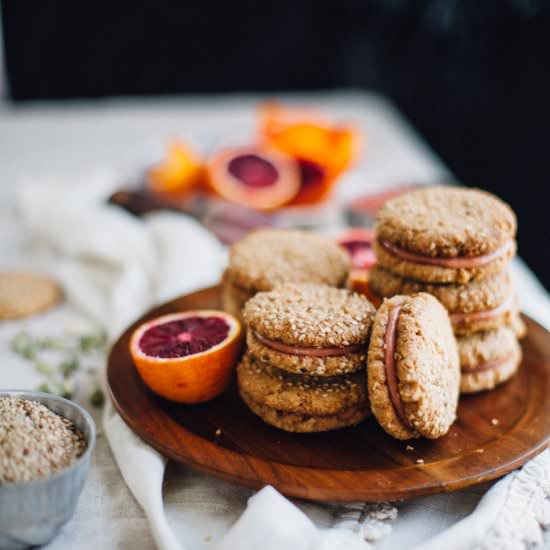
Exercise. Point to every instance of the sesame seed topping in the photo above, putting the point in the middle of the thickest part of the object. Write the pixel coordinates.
(35, 442)
(310, 314)
(268, 257)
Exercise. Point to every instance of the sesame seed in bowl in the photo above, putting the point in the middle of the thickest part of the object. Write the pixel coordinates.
(46, 444)
(35, 442)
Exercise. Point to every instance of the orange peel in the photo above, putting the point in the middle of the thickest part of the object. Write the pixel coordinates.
(258, 177)
(180, 170)
(358, 281)
(325, 151)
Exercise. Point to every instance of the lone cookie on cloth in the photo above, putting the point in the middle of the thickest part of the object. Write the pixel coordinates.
(268, 257)
(413, 367)
(24, 294)
(445, 235)
(476, 306)
(310, 329)
(297, 403)
(488, 359)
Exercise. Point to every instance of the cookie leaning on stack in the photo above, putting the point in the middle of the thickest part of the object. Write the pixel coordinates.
(413, 367)
(268, 257)
(305, 367)
(454, 243)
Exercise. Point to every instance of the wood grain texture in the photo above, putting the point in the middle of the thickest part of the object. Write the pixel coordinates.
(495, 433)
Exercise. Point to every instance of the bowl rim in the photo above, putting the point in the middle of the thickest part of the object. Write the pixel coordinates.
(90, 441)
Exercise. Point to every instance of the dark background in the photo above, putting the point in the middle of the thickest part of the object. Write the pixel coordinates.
(473, 76)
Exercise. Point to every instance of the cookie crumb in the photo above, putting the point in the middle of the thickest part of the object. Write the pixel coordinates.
(409, 448)
(494, 421)
(24, 294)
(420, 461)
(218, 431)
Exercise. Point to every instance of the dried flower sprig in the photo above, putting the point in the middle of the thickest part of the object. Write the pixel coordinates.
(61, 379)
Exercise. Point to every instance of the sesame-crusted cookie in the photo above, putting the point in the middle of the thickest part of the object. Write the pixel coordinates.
(445, 234)
(24, 294)
(413, 367)
(302, 423)
(307, 328)
(476, 306)
(233, 297)
(488, 359)
(517, 325)
(301, 403)
(268, 257)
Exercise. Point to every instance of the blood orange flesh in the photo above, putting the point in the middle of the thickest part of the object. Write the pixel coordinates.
(253, 171)
(362, 255)
(254, 176)
(314, 184)
(182, 337)
(358, 243)
(311, 173)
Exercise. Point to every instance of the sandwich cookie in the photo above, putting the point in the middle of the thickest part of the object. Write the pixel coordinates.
(476, 306)
(268, 257)
(309, 329)
(298, 403)
(445, 235)
(413, 367)
(488, 359)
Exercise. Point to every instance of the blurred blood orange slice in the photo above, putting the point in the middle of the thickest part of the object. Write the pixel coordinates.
(180, 170)
(254, 177)
(187, 357)
(324, 150)
(358, 243)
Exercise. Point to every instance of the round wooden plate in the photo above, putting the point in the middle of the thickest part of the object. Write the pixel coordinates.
(495, 433)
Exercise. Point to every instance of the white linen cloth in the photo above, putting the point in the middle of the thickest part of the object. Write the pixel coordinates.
(114, 266)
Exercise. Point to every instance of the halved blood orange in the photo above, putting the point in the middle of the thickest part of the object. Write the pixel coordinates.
(324, 150)
(357, 242)
(256, 177)
(187, 357)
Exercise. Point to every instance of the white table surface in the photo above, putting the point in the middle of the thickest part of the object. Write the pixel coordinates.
(67, 141)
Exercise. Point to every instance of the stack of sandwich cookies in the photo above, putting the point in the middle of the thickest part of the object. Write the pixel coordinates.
(297, 403)
(488, 358)
(413, 367)
(269, 257)
(445, 235)
(455, 244)
(310, 340)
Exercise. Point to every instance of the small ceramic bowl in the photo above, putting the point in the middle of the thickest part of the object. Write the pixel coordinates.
(32, 513)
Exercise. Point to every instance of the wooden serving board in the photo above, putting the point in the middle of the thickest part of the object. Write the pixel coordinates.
(495, 433)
